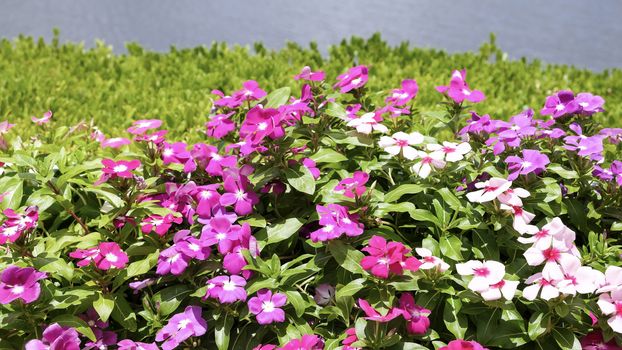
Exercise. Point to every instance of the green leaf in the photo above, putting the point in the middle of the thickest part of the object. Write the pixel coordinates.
(327, 155)
(143, 266)
(351, 288)
(346, 256)
(450, 198)
(14, 188)
(283, 230)
(562, 172)
(401, 190)
(297, 301)
(123, 313)
(103, 305)
(537, 325)
(170, 298)
(278, 97)
(566, 339)
(75, 322)
(222, 331)
(425, 215)
(450, 247)
(456, 322)
(302, 180)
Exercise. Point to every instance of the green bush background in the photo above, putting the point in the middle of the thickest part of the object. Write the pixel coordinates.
(96, 84)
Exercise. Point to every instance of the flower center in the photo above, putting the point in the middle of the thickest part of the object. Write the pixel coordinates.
(228, 286)
(560, 107)
(551, 254)
(526, 164)
(112, 258)
(184, 323)
(466, 92)
(119, 168)
(481, 271)
(173, 258)
(401, 143)
(356, 81)
(239, 195)
(17, 289)
(267, 306)
(194, 247)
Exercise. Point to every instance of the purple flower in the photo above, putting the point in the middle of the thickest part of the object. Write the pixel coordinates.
(156, 137)
(127, 344)
(613, 134)
(266, 306)
(400, 97)
(102, 340)
(56, 337)
(560, 104)
(355, 78)
(616, 171)
(220, 125)
(458, 90)
(139, 285)
(532, 162)
(478, 125)
(260, 123)
(585, 146)
(181, 327)
(173, 261)
(219, 230)
(175, 153)
(227, 289)
(589, 104)
(20, 283)
(159, 224)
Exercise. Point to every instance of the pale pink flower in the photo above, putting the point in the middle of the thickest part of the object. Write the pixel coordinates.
(504, 288)
(522, 218)
(43, 120)
(485, 274)
(489, 190)
(430, 261)
(543, 285)
(611, 304)
(427, 162)
(366, 123)
(513, 196)
(452, 152)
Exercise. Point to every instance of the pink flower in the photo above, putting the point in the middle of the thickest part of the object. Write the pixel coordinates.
(56, 337)
(417, 316)
(385, 258)
(484, 273)
(546, 285)
(367, 123)
(336, 221)
(458, 90)
(87, 256)
(127, 344)
(159, 224)
(139, 127)
(181, 327)
(307, 74)
(489, 190)
(239, 194)
(110, 256)
(16, 224)
(20, 283)
(463, 345)
(260, 123)
(373, 315)
(113, 169)
(103, 339)
(227, 289)
(266, 306)
(400, 97)
(311, 165)
(401, 142)
(353, 187)
(513, 197)
(611, 305)
(428, 161)
(115, 142)
(355, 78)
(307, 342)
(452, 152)
(220, 125)
(522, 218)
(156, 138)
(250, 91)
(504, 288)
(175, 153)
(350, 339)
(44, 120)
(5, 126)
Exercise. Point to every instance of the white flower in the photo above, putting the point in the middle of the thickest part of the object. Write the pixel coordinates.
(505, 288)
(485, 274)
(489, 190)
(401, 142)
(452, 152)
(429, 261)
(427, 162)
(366, 124)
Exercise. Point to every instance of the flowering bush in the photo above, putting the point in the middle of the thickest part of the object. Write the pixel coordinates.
(333, 218)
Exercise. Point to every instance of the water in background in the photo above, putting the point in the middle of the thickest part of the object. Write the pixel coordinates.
(584, 33)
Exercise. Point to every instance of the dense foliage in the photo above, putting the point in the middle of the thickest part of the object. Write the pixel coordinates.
(337, 217)
(96, 84)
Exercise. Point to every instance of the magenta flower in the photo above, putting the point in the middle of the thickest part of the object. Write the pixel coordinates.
(239, 194)
(127, 344)
(103, 339)
(250, 91)
(227, 289)
(353, 187)
(182, 326)
(156, 138)
(478, 124)
(336, 221)
(115, 142)
(373, 315)
(595, 341)
(43, 120)
(463, 345)
(173, 261)
(140, 285)
(110, 256)
(56, 337)
(350, 339)
(220, 231)
(560, 104)
(458, 90)
(16, 224)
(355, 78)
(266, 306)
(532, 162)
(20, 283)
(417, 316)
(307, 74)
(220, 125)
(139, 127)
(191, 246)
(385, 258)
(113, 169)
(159, 224)
(307, 342)
(312, 166)
(260, 123)
(175, 153)
(400, 97)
